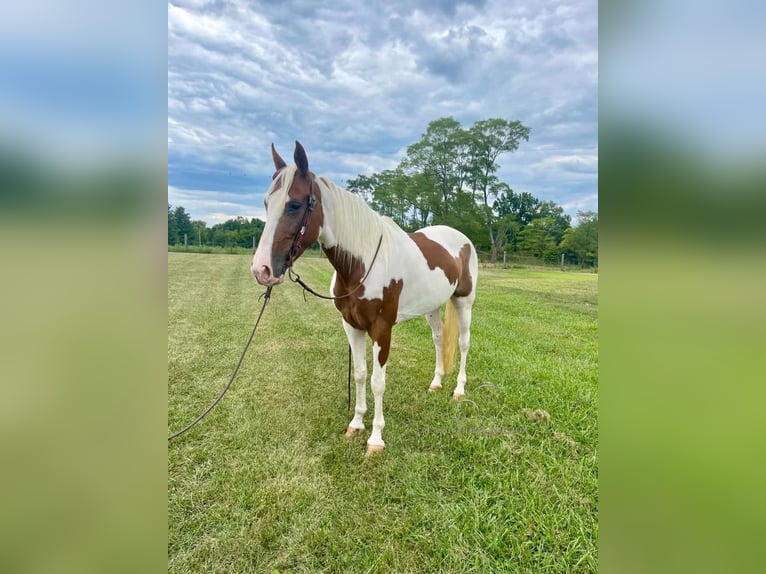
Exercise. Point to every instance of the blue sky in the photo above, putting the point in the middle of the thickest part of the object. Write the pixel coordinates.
(357, 82)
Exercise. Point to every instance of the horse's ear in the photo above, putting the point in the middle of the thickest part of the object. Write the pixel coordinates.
(300, 159)
(279, 163)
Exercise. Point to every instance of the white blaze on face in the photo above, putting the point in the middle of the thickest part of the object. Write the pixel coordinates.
(275, 207)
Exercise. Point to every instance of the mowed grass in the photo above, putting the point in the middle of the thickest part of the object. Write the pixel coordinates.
(268, 483)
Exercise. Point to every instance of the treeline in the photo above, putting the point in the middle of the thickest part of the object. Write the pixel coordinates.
(238, 232)
(449, 177)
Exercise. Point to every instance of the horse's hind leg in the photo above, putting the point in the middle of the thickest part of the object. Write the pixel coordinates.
(435, 321)
(463, 307)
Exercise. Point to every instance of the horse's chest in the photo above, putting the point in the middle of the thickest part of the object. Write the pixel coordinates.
(360, 313)
(369, 314)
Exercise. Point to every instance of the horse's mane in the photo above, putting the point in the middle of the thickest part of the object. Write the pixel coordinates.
(357, 228)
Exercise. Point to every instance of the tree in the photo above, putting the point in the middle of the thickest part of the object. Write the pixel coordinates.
(537, 239)
(183, 223)
(488, 139)
(363, 186)
(522, 207)
(437, 154)
(172, 226)
(466, 215)
(410, 200)
(582, 241)
(560, 221)
(507, 233)
(199, 231)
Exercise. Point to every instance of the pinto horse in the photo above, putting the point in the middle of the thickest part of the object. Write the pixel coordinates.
(383, 275)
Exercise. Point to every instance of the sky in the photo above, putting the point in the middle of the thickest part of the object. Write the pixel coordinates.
(357, 82)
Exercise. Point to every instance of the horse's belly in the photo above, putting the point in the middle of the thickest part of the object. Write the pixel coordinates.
(417, 300)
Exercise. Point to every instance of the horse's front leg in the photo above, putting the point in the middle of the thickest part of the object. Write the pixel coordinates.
(380, 348)
(356, 339)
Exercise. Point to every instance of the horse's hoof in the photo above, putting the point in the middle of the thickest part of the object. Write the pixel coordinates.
(434, 388)
(457, 396)
(351, 432)
(373, 449)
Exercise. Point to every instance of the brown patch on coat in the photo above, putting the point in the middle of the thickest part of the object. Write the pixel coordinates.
(374, 316)
(350, 270)
(289, 223)
(455, 269)
(465, 283)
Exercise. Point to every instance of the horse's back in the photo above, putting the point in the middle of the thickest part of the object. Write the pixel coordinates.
(448, 237)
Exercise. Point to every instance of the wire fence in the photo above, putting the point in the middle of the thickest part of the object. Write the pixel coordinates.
(503, 260)
(516, 260)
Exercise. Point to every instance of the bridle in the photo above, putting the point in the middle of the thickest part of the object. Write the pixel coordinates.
(296, 245)
(298, 239)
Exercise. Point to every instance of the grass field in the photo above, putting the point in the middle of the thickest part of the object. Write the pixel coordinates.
(267, 483)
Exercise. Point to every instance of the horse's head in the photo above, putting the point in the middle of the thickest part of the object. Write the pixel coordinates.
(293, 218)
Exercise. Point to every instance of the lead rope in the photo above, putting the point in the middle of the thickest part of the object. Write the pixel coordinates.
(349, 380)
(266, 296)
(295, 278)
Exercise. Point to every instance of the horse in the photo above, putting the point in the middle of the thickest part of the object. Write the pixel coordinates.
(383, 275)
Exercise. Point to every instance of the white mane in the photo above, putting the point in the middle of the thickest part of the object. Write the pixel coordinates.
(352, 224)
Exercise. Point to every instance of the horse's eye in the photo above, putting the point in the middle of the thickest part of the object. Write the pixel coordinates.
(293, 206)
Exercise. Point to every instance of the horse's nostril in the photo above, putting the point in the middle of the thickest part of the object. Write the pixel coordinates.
(263, 274)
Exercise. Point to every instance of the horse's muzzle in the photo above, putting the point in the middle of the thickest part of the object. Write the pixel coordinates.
(265, 276)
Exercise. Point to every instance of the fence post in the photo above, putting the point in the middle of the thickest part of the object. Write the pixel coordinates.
(186, 241)
(504, 254)
(562, 261)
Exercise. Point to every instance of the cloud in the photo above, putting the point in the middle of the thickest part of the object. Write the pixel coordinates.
(358, 82)
(580, 163)
(214, 206)
(586, 202)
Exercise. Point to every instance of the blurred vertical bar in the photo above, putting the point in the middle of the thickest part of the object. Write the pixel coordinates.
(83, 289)
(682, 282)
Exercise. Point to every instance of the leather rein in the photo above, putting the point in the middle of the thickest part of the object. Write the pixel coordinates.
(298, 240)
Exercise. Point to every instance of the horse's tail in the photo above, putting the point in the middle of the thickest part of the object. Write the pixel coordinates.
(449, 336)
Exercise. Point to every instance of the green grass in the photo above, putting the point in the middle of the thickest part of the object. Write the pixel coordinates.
(268, 483)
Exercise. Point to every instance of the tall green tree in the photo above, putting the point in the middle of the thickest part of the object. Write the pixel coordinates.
(560, 221)
(488, 140)
(199, 232)
(438, 154)
(522, 207)
(364, 186)
(172, 226)
(582, 241)
(537, 239)
(388, 195)
(183, 223)
(410, 200)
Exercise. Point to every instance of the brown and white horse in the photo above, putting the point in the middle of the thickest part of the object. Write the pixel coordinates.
(383, 275)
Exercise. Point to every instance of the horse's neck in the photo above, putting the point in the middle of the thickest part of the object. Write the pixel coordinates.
(346, 256)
